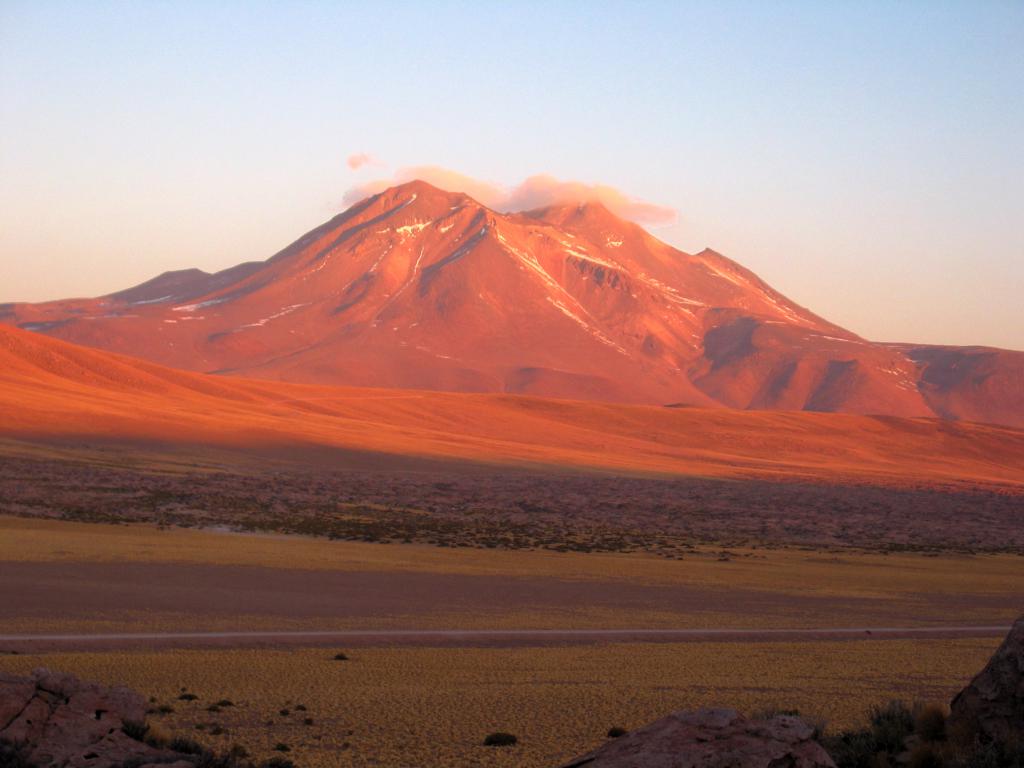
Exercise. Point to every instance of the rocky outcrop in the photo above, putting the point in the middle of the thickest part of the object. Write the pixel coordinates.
(991, 707)
(62, 722)
(712, 738)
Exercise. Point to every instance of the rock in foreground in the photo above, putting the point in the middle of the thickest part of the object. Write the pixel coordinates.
(62, 722)
(712, 738)
(991, 707)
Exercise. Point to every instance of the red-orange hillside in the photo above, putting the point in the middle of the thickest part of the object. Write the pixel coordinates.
(50, 389)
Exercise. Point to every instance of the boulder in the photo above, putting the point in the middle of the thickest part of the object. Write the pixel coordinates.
(16, 693)
(62, 722)
(712, 738)
(991, 707)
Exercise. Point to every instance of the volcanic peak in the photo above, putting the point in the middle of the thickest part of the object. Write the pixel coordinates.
(421, 288)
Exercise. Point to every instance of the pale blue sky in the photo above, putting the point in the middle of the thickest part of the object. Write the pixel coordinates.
(867, 159)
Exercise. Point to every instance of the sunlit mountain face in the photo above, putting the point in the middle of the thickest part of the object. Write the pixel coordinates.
(420, 288)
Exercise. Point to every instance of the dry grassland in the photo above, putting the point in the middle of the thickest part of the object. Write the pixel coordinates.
(433, 706)
(795, 571)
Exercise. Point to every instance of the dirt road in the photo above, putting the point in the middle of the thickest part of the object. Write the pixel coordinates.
(23, 643)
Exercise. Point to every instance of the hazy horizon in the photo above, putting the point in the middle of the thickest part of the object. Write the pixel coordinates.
(865, 161)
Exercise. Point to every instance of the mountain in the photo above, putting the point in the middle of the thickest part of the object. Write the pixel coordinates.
(425, 289)
(59, 396)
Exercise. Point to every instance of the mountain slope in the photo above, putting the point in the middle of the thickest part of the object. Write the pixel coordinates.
(420, 288)
(62, 393)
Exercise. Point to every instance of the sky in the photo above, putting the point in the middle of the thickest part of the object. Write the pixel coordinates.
(866, 159)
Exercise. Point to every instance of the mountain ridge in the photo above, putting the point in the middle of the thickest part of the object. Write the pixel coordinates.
(420, 288)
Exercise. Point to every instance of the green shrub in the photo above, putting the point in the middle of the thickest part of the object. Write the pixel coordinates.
(925, 756)
(157, 736)
(995, 755)
(877, 745)
(891, 725)
(238, 752)
(988, 756)
(930, 722)
(135, 730)
(500, 739)
(187, 746)
(884, 742)
(13, 756)
(851, 749)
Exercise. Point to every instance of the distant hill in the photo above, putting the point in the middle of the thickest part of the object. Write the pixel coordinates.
(63, 394)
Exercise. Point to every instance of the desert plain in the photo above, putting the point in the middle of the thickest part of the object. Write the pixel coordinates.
(445, 644)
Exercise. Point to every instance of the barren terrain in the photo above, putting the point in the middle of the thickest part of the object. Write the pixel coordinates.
(62, 577)
(464, 505)
(400, 701)
(402, 706)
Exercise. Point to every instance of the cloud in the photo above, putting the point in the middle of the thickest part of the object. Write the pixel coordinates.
(359, 159)
(535, 192)
(543, 190)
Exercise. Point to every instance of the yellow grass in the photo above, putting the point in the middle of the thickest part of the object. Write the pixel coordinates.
(433, 706)
(786, 571)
